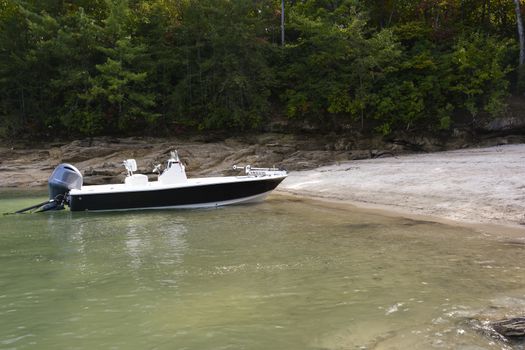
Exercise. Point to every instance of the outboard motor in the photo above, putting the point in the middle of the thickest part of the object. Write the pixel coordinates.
(64, 178)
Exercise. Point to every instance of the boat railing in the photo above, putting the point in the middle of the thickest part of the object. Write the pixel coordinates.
(251, 171)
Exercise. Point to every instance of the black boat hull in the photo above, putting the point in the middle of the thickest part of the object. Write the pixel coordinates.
(207, 195)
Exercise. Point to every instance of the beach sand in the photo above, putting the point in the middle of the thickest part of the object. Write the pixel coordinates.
(481, 186)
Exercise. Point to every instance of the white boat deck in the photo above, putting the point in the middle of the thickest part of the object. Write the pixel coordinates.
(156, 185)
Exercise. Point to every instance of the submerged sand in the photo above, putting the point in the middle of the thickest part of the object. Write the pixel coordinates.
(477, 186)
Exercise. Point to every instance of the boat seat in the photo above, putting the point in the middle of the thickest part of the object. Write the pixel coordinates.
(130, 165)
(136, 180)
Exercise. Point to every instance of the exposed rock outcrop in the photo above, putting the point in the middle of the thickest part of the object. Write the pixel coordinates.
(100, 159)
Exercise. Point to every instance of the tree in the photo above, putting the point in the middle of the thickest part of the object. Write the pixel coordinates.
(479, 74)
(519, 23)
(521, 37)
(333, 65)
(227, 80)
(116, 97)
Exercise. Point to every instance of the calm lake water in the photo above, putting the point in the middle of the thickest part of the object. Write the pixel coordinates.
(278, 275)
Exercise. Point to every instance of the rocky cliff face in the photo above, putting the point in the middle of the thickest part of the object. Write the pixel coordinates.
(100, 159)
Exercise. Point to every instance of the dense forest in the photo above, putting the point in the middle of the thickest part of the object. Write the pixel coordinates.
(121, 67)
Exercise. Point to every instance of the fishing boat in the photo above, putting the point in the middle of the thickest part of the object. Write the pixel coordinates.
(172, 189)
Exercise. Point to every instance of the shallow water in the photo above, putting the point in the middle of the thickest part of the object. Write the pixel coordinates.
(278, 275)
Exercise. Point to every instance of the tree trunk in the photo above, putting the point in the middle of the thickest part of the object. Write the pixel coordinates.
(282, 23)
(519, 21)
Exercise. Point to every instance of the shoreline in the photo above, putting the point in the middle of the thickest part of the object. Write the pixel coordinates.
(477, 187)
(510, 231)
(481, 188)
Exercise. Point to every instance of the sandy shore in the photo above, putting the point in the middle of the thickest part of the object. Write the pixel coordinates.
(475, 186)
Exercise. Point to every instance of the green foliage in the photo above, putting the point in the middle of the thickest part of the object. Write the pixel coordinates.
(226, 79)
(480, 77)
(333, 66)
(432, 84)
(134, 66)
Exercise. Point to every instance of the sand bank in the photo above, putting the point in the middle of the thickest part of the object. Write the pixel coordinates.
(474, 186)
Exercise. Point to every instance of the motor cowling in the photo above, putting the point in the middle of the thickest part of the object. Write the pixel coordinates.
(64, 178)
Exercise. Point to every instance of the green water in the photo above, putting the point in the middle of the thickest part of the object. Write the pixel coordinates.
(278, 275)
